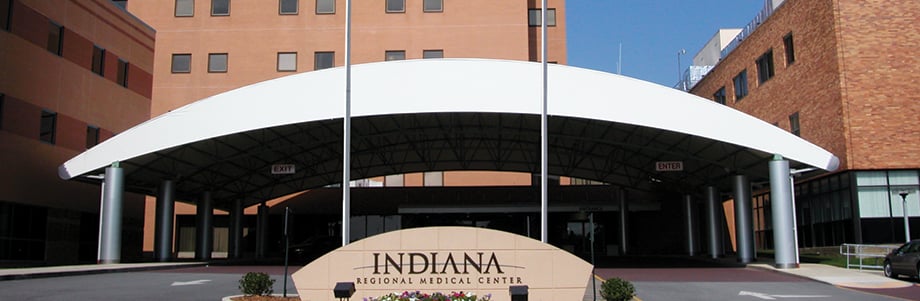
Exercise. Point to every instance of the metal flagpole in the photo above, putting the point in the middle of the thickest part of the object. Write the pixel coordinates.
(346, 133)
(544, 203)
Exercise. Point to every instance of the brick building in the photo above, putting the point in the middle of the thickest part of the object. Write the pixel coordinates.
(72, 74)
(206, 47)
(842, 74)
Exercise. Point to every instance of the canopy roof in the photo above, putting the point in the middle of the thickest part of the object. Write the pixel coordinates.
(450, 114)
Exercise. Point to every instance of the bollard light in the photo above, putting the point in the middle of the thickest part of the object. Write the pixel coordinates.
(518, 292)
(344, 290)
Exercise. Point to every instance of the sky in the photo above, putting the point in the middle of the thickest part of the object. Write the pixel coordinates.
(651, 32)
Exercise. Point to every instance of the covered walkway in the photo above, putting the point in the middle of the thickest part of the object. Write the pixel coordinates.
(444, 115)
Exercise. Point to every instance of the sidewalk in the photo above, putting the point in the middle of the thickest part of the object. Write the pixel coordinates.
(68, 270)
(852, 278)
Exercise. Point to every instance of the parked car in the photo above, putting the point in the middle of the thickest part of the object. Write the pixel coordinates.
(904, 260)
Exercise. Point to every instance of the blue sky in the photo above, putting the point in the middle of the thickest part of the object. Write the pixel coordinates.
(651, 31)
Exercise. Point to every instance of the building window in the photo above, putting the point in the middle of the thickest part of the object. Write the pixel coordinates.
(185, 8)
(765, 67)
(287, 61)
(535, 18)
(48, 126)
(98, 60)
(217, 62)
(794, 124)
(790, 49)
(181, 63)
(55, 38)
(433, 5)
(287, 7)
(323, 60)
(433, 54)
(741, 86)
(433, 179)
(396, 6)
(92, 136)
(6, 11)
(220, 7)
(719, 96)
(122, 78)
(2, 100)
(395, 55)
(394, 181)
(325, 6)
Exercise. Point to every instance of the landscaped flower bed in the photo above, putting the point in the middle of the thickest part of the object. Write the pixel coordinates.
(419, 296)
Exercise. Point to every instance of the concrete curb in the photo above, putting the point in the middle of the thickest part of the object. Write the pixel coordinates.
(59, 271)
(230, 298)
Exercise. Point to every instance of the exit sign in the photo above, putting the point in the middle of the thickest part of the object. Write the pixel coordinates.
(669, 166)
(283, 169)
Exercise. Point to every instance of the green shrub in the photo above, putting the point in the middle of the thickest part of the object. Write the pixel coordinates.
(256, 284)
(616, 289)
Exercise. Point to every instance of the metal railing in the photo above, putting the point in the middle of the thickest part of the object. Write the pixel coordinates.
(865, 256)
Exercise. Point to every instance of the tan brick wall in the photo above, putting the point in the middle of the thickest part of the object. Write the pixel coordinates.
(854, 81)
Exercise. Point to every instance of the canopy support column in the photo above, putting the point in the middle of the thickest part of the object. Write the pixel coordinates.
(204, 241)
(165, 214)
(236, 229)
(110, 222)
(624, 221)
(262, 230)
(744, 225)
(713, 221)
(690, 225)
(783, 217)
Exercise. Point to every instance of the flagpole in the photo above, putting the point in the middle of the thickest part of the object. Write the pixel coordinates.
(346, 133)
(544, 141)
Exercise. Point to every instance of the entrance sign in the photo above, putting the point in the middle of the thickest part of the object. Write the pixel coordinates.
(669, 166)
(283, 169)
(446, 259)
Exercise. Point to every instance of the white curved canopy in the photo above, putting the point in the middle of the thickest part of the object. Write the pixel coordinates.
(453, 86)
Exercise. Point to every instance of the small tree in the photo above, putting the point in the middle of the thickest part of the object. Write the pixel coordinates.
(256, 284)
(616, 289)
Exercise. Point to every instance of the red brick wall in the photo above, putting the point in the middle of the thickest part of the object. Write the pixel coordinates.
(851, 87)
(880, 49)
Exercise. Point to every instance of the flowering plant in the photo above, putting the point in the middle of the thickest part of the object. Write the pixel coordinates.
(419, 296)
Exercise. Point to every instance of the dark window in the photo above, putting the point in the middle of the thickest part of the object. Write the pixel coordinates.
(217, 62)
(396, 6)
(719, 96)
(741, 86)
(534, 17)
(2, 98)
(98, 60)
(433, 54)
(325, 6)
(121, 3)
(790, 49)
(92, 136)
(287, 7)
(287, 61)
(220, 7)
(794, 124)
(185, 8)
(55, 38)
(433, 5)
(122, 73)
(765, 67)
(323, 60)
(6, 10)
(23, 232)
(48, 126)
(395, 55)
(181, 63)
